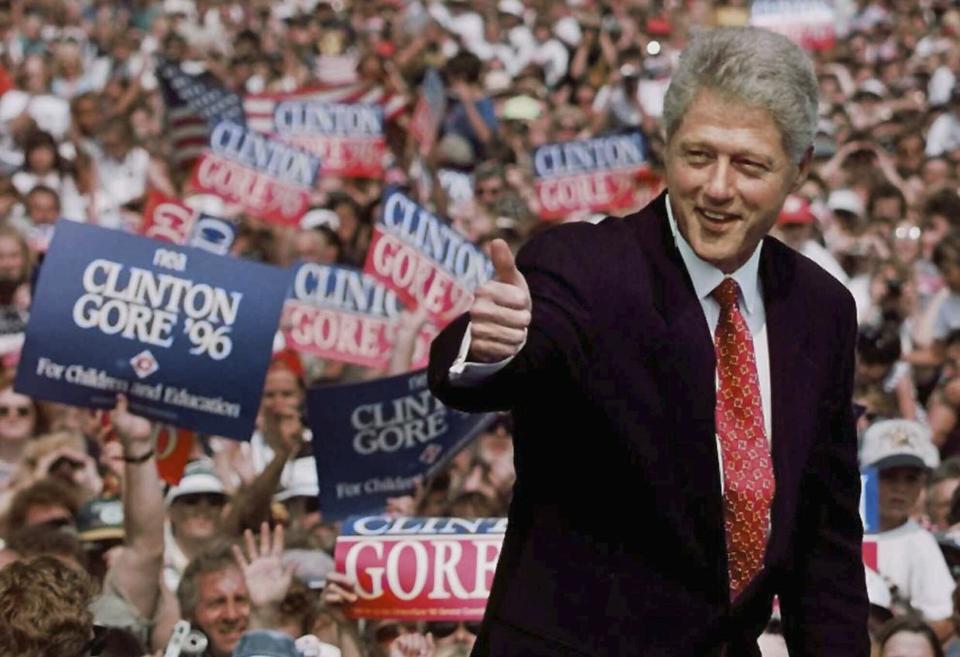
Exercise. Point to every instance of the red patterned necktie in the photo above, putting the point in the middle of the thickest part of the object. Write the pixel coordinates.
(748, 482)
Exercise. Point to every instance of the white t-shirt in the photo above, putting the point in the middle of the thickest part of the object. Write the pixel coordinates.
(909, 558)
(944, 135)
(948, 317)
(50, 113)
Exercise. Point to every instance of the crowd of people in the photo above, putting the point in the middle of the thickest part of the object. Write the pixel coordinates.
(240, 548)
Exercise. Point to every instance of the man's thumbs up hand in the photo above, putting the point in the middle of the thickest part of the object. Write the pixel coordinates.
(500, 313)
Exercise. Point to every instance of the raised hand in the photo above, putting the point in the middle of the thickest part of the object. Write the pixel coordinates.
(268, 580)
(412, 645)
(500, 313)
(339, 589)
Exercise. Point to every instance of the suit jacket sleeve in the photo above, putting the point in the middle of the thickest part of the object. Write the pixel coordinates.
(556, 339)
(823, 602)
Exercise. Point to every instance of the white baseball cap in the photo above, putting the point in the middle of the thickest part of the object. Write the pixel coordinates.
(893, 443)
(198, 477)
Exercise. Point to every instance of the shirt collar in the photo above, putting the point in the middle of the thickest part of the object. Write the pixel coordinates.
(706, 277)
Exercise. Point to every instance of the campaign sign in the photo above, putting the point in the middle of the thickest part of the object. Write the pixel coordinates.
(420, 569)
(377, 439)
(869, 501)
(212, 234)
(341, 314)
(170, 220)
(424, 259)
(167, 219)
(869, 552)
(348, 137)
(13, 324)
(186, 335)
(810, 23)
(173, 449)
(268, 177)
(595, 175)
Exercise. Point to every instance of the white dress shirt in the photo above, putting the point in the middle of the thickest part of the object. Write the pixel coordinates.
(705, 278)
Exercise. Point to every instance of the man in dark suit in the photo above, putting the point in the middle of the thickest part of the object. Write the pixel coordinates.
(681, 389)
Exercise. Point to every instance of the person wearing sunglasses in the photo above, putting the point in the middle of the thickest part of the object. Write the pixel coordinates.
(18, 423)
(299, 497)
(195, 512)
(453, 638)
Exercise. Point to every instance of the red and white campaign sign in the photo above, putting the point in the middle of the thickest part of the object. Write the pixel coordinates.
(346, 136)
(420, 568)
(269, 178)
(173, 448)
(425, 260)
(167, 219)
(870, 553)
(594, 175)
(810, 23)
(342, 314)
(337, 335)
(352, 157)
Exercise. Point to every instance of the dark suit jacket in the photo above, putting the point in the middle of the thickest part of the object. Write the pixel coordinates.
(615, 543)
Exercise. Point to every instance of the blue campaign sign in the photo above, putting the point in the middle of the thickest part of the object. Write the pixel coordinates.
(869, 505)
(377, 439)
(185, 334)
(213, 234)
(608, 153)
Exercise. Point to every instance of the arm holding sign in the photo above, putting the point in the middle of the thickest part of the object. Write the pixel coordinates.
(412, 645)
(137, 571)
(408, 327)
(251, 504)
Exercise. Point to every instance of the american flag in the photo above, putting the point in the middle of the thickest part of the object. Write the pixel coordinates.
(429, 111)
(259, 107)
(195, 104)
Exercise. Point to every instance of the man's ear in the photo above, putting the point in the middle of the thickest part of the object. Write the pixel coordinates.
(803, 169)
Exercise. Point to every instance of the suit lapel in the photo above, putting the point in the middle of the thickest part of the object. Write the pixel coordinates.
(687, 363)
(786, 340)
(687, 351)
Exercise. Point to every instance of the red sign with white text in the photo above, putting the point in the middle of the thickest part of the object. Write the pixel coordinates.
(167, 219)
(337, 335)
(431, 569)
(352, 157)
(173, 450)
(415, 277)
(593, 192)
(261, 195)
(870, 554)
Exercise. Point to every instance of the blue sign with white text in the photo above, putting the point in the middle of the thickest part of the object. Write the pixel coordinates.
(185, 334)
(869, 501)
(377, 439)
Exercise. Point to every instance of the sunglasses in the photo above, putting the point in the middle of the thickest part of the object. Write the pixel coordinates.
(307, 504)
(443, 629)
(390, 631)
(20, 411)
(193, 499)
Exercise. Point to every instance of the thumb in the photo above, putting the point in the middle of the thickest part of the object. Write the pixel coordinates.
(504, 266)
